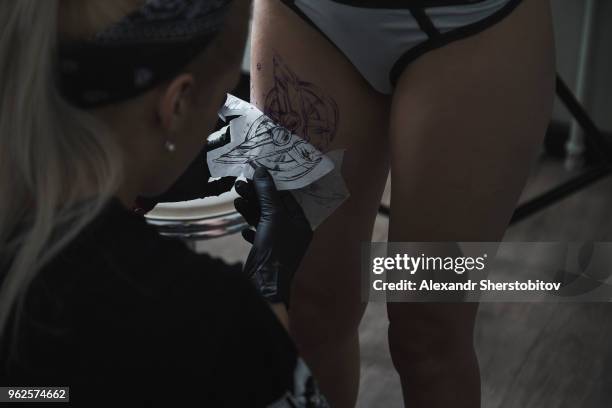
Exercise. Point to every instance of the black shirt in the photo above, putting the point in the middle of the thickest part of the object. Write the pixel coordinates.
(125, 315)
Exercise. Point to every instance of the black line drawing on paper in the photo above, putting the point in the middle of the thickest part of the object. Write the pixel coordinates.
(272, 146)
(321, 198)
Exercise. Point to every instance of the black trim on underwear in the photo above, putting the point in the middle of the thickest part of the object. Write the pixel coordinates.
(448, 37)
(405, 4)
(424, 22)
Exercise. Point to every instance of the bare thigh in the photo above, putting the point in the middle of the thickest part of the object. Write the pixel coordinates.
(466, 123)
(305, 83)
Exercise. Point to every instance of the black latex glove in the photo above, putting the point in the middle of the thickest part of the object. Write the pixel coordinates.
(193, 183)
(281, 237)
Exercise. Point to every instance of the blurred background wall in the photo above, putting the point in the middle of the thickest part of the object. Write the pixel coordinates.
(569, 20)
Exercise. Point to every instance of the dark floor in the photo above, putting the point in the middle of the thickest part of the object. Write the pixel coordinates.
(543, 354)
(540, 355)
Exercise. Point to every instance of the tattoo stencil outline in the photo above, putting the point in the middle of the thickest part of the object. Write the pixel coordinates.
(301, 106)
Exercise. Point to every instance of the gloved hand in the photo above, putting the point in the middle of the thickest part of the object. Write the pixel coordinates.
(281, 237)
(193, 183)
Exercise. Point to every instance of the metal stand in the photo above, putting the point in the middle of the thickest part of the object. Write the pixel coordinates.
(597, 143)
(575, 146)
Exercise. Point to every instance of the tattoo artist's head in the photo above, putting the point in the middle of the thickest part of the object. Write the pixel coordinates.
(181, 111)
(59, 164)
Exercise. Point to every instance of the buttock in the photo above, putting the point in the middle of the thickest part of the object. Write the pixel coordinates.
(381, 37)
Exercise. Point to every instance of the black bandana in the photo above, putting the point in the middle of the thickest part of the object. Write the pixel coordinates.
(143, 49)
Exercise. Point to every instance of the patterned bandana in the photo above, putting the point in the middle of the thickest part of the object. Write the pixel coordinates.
(143, 49)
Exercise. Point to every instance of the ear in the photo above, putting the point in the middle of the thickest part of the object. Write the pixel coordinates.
(173, 102)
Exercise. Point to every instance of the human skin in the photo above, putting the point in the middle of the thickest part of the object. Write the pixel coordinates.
(459, 134)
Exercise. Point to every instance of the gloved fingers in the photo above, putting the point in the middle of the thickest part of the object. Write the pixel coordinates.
(219, 141)
(248, 235)
(246, 190)
(248, 211)
(293, 208)
(219, 186)
(267, 194)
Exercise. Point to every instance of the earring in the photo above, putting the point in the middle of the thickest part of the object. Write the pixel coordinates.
(171, 147)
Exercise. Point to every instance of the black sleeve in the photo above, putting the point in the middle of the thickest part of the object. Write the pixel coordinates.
(260, 366)
(220, 336)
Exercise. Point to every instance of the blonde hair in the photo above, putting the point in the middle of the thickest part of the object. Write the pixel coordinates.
(58, 166)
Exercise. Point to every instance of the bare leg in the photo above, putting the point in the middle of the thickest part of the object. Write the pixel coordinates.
(304, 82)
(467, 121)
